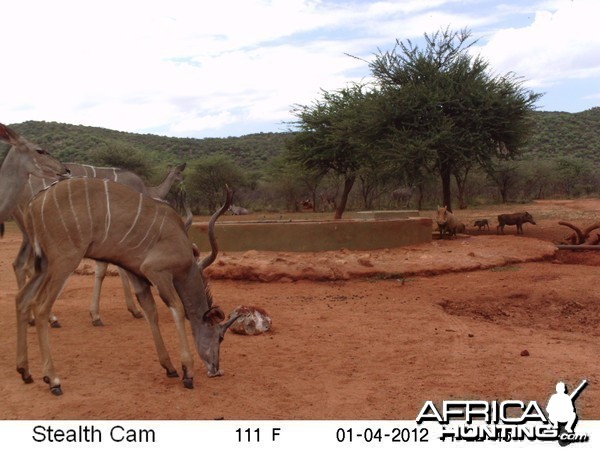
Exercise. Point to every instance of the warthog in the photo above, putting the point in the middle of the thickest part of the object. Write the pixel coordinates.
(448, 223)
(238, 210)
(402, 196)
(517, 219)
(307, 205)
(481, 223)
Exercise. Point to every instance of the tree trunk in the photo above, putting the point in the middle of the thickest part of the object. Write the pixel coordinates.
(504, 194)
(421, 189)
(540, 193)
(461, 187)
(462, 204)
(446, 173)
(348, 183)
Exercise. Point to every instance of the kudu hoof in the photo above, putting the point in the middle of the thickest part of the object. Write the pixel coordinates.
(172, 373)
(188, 383)
(55, 390)
(55, 324)
(98, 323)
(136, 314)
(27, 379)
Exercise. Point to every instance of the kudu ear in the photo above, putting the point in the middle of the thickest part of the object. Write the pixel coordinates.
(213, 316)
(195, 251)
(8, 135)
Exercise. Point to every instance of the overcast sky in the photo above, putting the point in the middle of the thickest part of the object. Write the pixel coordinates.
(232, 67)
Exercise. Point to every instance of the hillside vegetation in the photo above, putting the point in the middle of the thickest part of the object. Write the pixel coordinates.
(555, 134)
(559, 160)
(558, 134)
(77, 143)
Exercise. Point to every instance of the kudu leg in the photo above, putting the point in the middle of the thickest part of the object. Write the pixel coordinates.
(23, 309)
(20, 262)
(144, 296)
(164, 284)
(23, 268)
(50, 288)
(39, 294)
(99, 275)
(21, 265)
(131, 306)
(187, 362)
(167, 292)
(50, 376)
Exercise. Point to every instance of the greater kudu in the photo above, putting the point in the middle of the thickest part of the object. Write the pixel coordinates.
(107, 221)
(22, 263)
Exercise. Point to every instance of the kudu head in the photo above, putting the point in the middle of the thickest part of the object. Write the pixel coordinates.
(178, 172)
(209, 331)
(209, 327)
(29, 158)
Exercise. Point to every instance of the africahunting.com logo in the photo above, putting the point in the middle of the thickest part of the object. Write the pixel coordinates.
(509, 420)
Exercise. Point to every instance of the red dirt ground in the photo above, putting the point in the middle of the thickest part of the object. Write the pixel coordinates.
(356, 335)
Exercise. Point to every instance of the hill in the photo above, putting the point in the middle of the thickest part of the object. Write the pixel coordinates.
(557, 134)
(554, 134)
(565, 148)
(77, 143)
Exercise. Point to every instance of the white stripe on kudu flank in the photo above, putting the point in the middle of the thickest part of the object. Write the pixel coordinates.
(73, 210)
(59, 213)
(107, 220)
(92, 168)
(163, 222)
(31, 186)
(137, 216)
(156, 235)
(89, 206)
(149, 228)
(44, 197)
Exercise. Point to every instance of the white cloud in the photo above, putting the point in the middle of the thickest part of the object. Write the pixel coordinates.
(202, 68)
(561, 43)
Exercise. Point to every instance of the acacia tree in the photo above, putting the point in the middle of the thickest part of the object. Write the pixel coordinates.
(445, 107)
(291, 182)
(208, 176)
(334, 136)
(505, 175)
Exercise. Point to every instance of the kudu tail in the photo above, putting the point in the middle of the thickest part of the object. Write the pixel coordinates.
(40, 262)
(189, 217)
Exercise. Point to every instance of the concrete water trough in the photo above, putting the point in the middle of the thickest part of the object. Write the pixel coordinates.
(392, 214)
(315, 235)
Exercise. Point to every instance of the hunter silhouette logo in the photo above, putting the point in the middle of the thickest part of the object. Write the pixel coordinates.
(508, 420)
(562, 413)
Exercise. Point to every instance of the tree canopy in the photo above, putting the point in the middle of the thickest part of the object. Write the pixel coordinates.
(445, 109)
(334, 136)
(436, 109)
